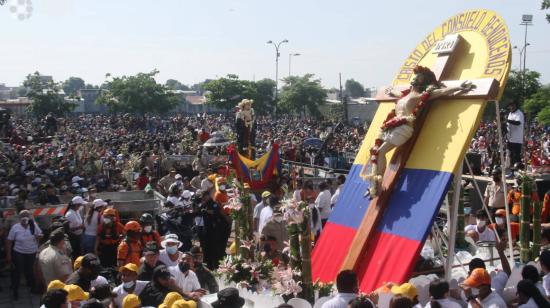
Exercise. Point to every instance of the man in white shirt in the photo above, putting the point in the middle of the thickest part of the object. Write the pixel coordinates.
(129, 285)
(266, 212)
(258, 209)
(186, 280)
(515, 122)
(322, 203)
(480, 232)
(297, 195)
(346, 283)
(340, 181)
(481, 280)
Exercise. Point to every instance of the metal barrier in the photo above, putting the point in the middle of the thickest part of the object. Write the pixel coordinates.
(130, 205)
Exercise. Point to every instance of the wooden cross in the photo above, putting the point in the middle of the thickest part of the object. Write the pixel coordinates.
(447, 50)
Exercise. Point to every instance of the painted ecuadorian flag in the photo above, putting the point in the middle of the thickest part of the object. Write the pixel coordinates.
(396, 241)
(257, 173)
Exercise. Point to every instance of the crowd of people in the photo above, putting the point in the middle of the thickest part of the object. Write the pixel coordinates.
(528, 144)
(95, 256)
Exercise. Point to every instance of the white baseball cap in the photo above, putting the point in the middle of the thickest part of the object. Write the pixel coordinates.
(99, 203)
(187, 194)
(76, 178)
(78, 200)
(178, 176)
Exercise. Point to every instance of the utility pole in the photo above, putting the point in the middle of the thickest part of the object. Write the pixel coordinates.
(343, 100)
(526, 20)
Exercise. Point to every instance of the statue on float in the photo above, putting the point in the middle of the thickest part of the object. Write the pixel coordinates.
(399, 124)
(245, 126)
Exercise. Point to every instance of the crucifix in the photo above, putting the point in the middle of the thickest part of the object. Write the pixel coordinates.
(402, 127)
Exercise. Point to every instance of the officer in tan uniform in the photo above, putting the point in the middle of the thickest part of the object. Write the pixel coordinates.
(54, 261)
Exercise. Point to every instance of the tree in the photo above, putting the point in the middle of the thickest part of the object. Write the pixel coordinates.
(263, 96)
(537, 102)
(91, 86)
(519, 87)
(354, 88)
(226, 92)
(176, 85)
(45, 96)
(545, 6)
(72, 85)
(543, 117)
(137, 94)
(302, 93)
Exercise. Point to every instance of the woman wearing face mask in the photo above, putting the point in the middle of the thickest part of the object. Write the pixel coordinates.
(76, 224)
(170, 255)
(149, 233)
(23, 237)
(129, 285)
(109, 233)
(91, 223)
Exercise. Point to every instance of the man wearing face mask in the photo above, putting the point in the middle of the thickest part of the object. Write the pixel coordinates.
(149, 234)
(24, 237)
(108, 238)
(205, 276)
(186, 280)
(477, 289)
(480, 232)
(170, 255)
(500, 225)
(276, 227)
(130, 284)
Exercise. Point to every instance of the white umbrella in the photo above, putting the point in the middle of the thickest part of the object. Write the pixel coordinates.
(216, 142)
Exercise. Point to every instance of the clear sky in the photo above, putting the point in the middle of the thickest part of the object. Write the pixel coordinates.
(193, 40)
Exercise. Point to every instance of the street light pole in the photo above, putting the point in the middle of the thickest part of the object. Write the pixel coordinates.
(290, 55)
(526, 20)
(277, 55)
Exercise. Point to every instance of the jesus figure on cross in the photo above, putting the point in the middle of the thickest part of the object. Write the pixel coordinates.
(399, 124)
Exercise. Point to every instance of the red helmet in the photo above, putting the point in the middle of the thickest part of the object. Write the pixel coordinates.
(132, 225)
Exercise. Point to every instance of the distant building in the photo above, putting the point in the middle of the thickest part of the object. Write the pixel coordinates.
(18, 106)
(360, 110)
(7, 92)
(88, 101)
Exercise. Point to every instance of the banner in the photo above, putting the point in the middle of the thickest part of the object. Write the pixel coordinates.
(257, 173)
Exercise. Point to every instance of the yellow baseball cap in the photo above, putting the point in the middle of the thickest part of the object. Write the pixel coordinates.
(76, 294)
(56, 284)
(184, 304)
(77, 262)
(170, 299)
(266, 194)
(131, 301)
(129, 266)
(406, 289)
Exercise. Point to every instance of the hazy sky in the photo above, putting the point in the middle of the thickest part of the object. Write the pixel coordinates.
(193, 40)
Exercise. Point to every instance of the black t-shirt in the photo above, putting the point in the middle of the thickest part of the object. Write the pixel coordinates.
(79, 280)
(152, 295)
(145, 272)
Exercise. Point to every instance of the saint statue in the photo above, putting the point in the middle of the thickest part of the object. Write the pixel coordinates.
(245, 126)
(399, 124)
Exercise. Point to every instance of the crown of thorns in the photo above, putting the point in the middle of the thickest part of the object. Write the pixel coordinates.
(430, 76)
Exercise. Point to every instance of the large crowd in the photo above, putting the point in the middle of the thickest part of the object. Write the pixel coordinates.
(95, 256)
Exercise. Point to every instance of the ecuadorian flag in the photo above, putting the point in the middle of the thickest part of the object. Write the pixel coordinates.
(257, 173)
